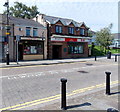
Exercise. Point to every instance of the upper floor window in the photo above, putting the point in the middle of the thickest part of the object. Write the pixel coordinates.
(82, 31)
(27, 31)
(35, 32)
(58, 29)
(71, 30)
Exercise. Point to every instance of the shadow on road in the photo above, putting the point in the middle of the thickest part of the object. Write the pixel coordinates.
(83, 72)
(89, 64)
(79, 105)
(115, 93)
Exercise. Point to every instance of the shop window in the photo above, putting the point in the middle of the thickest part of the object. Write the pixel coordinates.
(82, 31)
(27, 31)
(58, 29)
(35, 32)
(33, 49)
(75, 49)
(70, 30)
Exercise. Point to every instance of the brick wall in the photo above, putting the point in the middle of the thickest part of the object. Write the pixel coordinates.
(65, 29)
(64, 50)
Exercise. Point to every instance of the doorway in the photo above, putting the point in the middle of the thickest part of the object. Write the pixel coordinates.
(20, 52)
(56, 51)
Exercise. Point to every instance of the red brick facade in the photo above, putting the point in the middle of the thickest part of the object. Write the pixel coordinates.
(65, 29)
(63, 51)
(66, 37)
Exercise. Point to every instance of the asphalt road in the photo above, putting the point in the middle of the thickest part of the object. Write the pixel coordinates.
(32, 83)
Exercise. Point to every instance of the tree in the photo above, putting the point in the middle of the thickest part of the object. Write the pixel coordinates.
(23, 11)
(104, 37)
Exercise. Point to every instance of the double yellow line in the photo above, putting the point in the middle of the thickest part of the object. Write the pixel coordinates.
(52, 98)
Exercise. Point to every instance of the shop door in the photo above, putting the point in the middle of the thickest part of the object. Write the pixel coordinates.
(56, 51)
(20, 52)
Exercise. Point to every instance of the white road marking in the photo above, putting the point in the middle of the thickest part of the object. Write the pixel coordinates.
(18, 76)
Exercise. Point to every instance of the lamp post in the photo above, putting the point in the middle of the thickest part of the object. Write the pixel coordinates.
(7, 32)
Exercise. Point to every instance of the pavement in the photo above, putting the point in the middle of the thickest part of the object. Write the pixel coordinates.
(49, 62)
(92, 101)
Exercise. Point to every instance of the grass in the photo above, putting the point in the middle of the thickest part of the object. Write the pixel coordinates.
(115, 51)
(98, 52)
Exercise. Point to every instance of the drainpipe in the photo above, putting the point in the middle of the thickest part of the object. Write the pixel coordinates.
(48, 41)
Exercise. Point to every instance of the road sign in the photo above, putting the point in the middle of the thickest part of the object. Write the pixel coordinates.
(18, 38)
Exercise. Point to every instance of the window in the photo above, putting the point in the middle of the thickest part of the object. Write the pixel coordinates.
(71, 30)
(82, 31)
(58, 29)
(75, 49)
(35, 32)
(28, 31)
(33, 49)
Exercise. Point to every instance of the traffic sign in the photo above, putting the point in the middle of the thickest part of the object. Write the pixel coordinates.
(18, 38)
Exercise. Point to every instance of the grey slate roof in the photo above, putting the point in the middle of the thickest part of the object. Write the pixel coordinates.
(116, 35)
(23, 22)
(64, 21)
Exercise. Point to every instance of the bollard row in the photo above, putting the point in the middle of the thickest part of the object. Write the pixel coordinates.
(63, 90)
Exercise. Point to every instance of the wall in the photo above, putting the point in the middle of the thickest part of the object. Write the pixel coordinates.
(65, 29)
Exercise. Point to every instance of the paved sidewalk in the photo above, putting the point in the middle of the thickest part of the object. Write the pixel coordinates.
(89, 101)
(48, 62)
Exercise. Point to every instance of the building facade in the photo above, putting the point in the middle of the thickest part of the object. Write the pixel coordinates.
(27, 40)
(66, 37)
(116, 40)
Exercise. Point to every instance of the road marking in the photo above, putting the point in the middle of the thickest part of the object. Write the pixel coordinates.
(51, 72)
(37, 103)
(51, 98)
(26, 103)
(53, 64)
(25, 66)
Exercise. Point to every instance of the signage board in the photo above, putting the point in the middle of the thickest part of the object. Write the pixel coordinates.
(69, 39)
(17, 37)
(57, 39)
(28, 38)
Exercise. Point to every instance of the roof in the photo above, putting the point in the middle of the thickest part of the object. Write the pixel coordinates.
(116, 35)
(24, 22)
(64, 21)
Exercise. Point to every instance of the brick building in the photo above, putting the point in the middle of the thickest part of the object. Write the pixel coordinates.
(66, 37)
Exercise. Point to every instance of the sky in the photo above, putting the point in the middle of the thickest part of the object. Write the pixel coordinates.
(96, 14)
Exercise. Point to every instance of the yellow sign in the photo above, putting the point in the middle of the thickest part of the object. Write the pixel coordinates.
(7, 33)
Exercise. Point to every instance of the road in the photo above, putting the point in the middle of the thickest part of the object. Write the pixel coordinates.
(22, 86)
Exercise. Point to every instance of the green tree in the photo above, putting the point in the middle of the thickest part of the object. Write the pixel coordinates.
(104, 37)
(23, 11)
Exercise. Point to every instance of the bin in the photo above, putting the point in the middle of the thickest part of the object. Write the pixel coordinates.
(109, 55)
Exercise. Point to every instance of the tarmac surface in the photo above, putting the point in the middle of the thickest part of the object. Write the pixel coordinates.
(95, 100)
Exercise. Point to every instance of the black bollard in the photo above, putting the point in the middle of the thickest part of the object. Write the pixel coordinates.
(115, 58)
(108, 83)
(63, 94)
(7, 59)
(95, 58)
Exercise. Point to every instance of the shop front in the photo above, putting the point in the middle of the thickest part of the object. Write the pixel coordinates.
(31, 49)
(68, 47)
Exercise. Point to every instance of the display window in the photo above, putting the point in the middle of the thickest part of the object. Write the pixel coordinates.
(75, 49)
(33, 49)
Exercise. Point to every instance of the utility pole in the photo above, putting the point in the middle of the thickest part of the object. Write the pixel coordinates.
(7, 32)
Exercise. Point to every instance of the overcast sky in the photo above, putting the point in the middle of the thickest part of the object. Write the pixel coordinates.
(96, 14)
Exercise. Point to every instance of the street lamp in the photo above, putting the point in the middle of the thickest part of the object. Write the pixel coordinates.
(7, 33)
